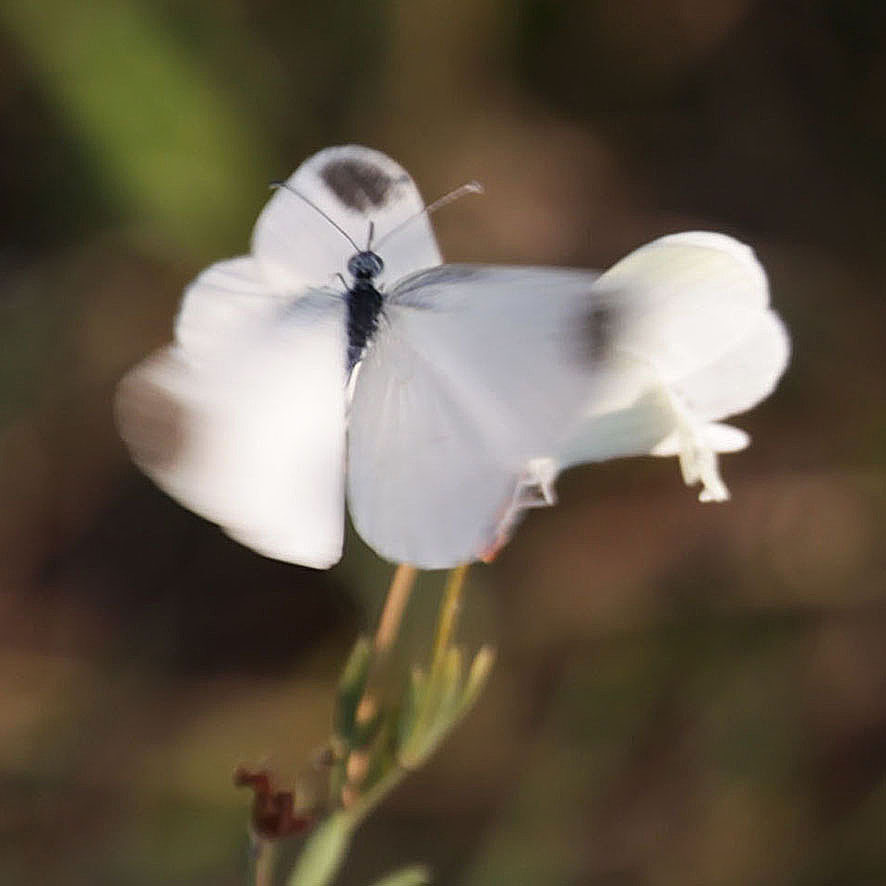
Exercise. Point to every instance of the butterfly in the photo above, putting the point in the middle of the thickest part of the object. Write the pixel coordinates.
(342, 360)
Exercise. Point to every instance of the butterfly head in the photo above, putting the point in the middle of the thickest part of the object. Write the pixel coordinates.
(365, 265)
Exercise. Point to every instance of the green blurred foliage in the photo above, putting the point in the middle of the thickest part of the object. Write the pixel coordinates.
(684, 693)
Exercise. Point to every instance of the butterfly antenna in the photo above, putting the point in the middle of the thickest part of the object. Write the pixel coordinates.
(371, 234)
(318, 210)
(472, 187)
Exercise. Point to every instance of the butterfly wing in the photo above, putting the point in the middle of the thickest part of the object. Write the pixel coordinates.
(354, 186)
(228, 301)
(474, 372)
(243, 420)
(295, 248)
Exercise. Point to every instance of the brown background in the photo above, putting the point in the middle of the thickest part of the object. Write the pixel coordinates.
(685, 694)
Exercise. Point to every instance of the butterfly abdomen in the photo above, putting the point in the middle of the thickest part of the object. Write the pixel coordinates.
(364, 306)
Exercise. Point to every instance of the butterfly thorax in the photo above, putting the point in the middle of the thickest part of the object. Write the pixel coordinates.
(364, 303)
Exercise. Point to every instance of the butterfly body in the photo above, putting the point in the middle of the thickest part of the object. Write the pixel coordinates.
(364, 303)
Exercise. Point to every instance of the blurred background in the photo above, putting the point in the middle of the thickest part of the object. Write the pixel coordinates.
(685, 694)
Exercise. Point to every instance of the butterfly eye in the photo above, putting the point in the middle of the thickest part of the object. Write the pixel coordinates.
(365, 265)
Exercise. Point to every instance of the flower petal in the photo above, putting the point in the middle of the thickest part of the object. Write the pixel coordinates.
(718, 437)
(742, 376)
(697, 342)
(690, 298)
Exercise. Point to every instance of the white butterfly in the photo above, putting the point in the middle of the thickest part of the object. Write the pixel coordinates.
(443, 400)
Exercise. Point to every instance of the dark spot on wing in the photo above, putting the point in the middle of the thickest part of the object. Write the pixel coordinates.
(600, 331)
(153, 423)
(594, 333)
(359, 185)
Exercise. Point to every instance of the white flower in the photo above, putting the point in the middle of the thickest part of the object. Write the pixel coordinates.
(701, 344)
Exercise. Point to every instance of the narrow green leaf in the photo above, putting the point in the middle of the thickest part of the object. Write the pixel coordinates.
(175, 147)
(416, 875)
(445, 713)
(478, 674)
(453, 669)
(350, 689)
(365, 733)
(435, 690)
(411, 706)
(353, 675)
(414, 750)
(382, 757)
(448, 708)
(438, 710)
(325, 852)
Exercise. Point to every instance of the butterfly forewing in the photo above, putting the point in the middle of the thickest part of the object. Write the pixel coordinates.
(354, 187)
(474, 372)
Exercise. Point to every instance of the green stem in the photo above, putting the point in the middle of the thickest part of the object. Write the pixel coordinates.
(346, 781)
(452, 597)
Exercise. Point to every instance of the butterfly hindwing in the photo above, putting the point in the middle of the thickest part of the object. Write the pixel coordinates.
(474, 372)
(250, 433)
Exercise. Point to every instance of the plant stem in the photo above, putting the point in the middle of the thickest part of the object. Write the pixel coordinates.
(392, 614)
(264, 863)
(452, 597)
(385, 636)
